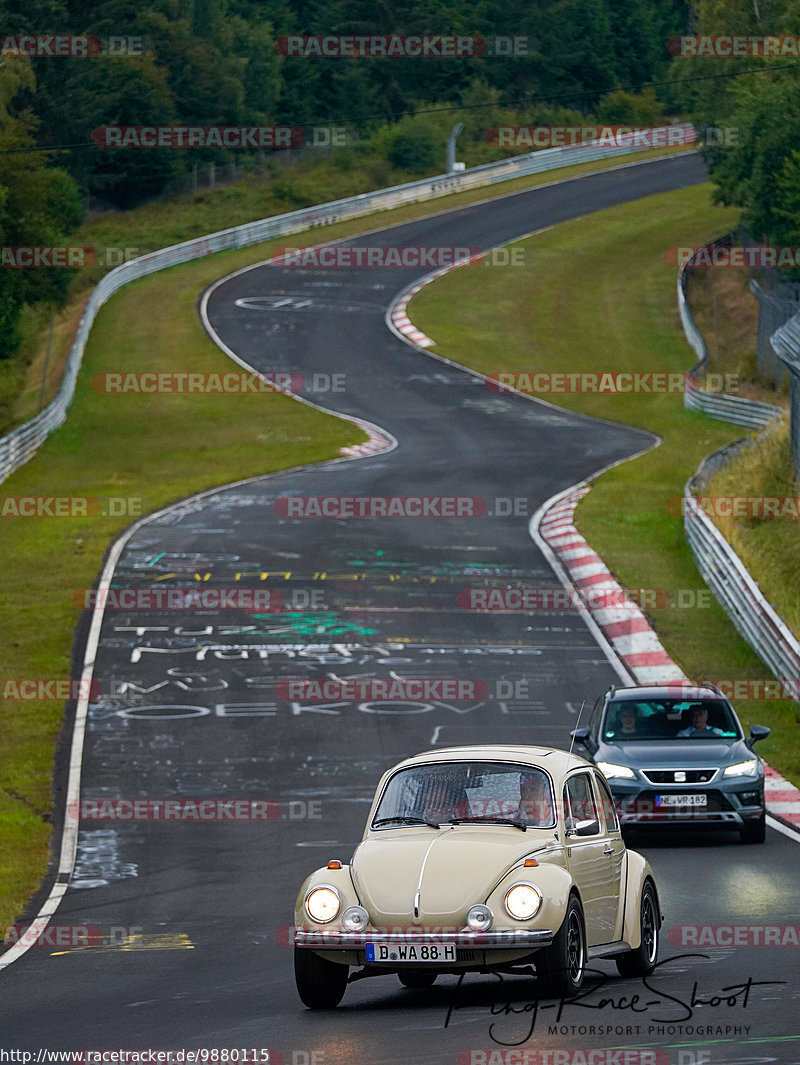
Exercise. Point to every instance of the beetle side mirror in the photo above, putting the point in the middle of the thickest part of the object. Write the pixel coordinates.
(757, 732)
(582, 736)
(587, 828)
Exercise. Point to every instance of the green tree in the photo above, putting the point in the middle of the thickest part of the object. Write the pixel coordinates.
(39, 206)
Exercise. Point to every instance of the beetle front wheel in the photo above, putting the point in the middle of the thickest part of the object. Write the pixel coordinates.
(320, 983)
(561, 966)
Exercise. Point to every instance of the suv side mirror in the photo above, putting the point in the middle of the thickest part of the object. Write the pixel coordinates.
(582, 736)
(757, 732)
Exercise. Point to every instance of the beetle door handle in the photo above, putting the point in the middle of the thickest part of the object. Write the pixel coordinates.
(608, 849)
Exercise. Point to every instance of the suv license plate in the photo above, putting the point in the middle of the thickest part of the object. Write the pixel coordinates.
(681, 800)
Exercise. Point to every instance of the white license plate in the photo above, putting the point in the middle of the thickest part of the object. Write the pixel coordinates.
(682, 800)
(418, 953)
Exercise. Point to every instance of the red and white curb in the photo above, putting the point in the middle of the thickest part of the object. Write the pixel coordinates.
(783, 798)
(628, 631)
(403, 323)
(399, 312)
(623, 624)
(379, 441)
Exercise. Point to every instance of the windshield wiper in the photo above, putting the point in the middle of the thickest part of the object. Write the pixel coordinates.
(404, 821)
(488, 821)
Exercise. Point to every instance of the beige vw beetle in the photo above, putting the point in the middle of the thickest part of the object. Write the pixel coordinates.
(480, 859)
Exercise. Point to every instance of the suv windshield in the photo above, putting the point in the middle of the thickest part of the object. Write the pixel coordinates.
(630, 720)
(473, 792)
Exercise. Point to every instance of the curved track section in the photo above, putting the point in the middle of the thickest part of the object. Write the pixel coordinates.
(197, 705)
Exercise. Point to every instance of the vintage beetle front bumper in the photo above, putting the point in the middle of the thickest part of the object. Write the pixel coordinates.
(500, 939)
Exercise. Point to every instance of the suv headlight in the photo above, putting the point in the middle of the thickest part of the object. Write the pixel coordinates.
(621, 772)
(322, 903)
(742, 769)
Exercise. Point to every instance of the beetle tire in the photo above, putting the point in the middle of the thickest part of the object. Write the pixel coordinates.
(642, 961)
(320, 983)
(560, 967)
(417, 979)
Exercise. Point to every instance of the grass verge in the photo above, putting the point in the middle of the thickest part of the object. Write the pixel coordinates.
(103, 451)
(726, 313)
(768, 547)
(604, 278)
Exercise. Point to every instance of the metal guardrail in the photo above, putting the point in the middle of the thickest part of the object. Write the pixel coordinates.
(719, 565)
(20, 445)
(748, 412)
(786, 343)
(726, 576)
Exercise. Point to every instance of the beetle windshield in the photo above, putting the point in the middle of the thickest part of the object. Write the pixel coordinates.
(476, 792)
(630, 720)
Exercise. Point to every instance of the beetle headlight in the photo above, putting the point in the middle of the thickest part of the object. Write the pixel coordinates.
(522, 901)
(355, 919)
(610, 770)
(322, 903)
(480, 918)
(742, 769)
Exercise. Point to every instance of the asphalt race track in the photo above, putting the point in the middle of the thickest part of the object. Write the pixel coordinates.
(195, 916)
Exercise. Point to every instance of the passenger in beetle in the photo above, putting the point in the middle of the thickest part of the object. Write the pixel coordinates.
(535, 803)
(439, 801)
(699, 725)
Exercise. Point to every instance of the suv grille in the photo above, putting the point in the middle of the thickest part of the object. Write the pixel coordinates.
(679, 776)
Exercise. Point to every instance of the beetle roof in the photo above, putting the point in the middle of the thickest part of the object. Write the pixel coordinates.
(556, 762)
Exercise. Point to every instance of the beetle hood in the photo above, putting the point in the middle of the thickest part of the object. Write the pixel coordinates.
(452, 868)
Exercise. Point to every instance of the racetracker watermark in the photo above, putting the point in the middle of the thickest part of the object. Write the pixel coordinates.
(524, 600)
(402, 46)
(185, 382)
(550, 1056)
(585, 382)
(50, 257)
(70, 506)
(352, 256)
(368, 689)
(174, 810)
(72, 46)
(193, 598)
(736, 506)
(744, 689)
(40, 689)
(63, 936)
(195, 810)
(742, 935)
(380, 507)
(199, 137)
(723, 45)
(596, 136)
(748, 256)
